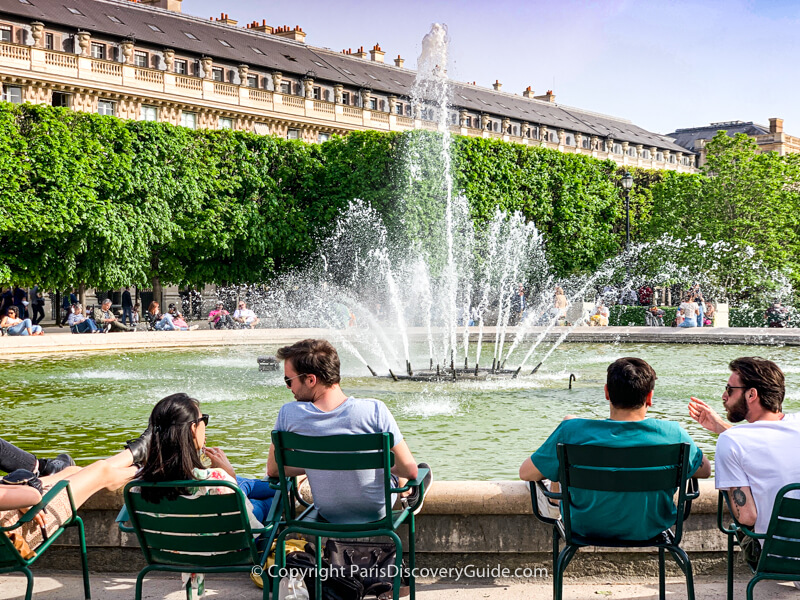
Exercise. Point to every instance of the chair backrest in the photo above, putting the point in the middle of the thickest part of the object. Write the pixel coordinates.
(208, 531)
(781, 551)
(334, 453)
(660, 468)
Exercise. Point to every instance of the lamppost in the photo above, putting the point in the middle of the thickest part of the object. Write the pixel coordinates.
(627, 184)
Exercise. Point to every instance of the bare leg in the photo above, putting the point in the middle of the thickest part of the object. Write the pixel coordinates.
(111, 473)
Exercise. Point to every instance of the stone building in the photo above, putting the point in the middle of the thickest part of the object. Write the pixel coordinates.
(770, 138)
(146, 60)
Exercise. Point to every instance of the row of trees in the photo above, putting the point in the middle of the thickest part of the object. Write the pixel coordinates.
(98, 201)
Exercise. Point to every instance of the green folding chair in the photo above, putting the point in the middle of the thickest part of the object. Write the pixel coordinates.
(10, 559)
(780, 554)
(344, 453)
(620, 470)
(207, 534)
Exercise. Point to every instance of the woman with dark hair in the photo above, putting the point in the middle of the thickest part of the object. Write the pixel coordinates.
(177, 444)
(17, 326)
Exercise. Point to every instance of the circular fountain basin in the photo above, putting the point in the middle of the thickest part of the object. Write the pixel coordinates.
(476, 430)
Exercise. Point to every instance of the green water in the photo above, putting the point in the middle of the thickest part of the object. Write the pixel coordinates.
(88, 404)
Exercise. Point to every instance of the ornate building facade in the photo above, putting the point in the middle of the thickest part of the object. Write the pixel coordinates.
(146, 60)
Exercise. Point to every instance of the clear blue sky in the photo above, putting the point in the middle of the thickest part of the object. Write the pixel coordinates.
(662, 64)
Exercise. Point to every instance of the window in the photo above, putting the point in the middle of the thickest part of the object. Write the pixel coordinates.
(190, 35)
(180, 67)
(346, 71)
(225, 123)
(105, 107)
(293, 134)
(149, 113)
(261, 128)
(317, 92)
(49, 41)
(286, 88)
(617, 149)
(60, 99)
(74, 11)
(25, 2)
(5, 33)
(141, 59)
(586, 142)
(98, 51)
(189, 119)
(659, 156)
(373, 104)
(114, 19)
(319, 64)
(155, 28)
(398, 108)
(224, 43)
(346, 98)
(12, 94)
(569, 140)
(217, 74)
(256, 50)
(323, 137)
(252, 81)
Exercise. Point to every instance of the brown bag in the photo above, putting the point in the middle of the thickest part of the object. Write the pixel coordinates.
(21, 545)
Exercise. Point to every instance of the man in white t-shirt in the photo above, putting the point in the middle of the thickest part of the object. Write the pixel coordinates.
(245, 316)
(755, 460)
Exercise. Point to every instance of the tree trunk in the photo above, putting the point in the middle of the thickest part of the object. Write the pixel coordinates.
(82, 294)
(157, 291)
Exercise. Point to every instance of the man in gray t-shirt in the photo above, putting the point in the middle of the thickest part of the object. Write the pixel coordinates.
(311, 371)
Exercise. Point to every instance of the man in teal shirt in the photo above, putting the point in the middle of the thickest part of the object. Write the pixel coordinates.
(629, 390)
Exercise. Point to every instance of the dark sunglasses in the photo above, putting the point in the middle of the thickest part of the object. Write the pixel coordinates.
(288, 380)
(203, 418)
(728, 388)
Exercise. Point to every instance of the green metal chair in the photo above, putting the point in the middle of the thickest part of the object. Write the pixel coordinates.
(207, 534)
(344, 453)
(620, 470)
(10, 559)
(780, 555)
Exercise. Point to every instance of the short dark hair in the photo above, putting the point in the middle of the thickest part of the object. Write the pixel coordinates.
(313, 357)
(629, 381)
(765, 377)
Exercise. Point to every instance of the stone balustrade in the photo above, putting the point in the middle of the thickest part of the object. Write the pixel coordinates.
(41, 68)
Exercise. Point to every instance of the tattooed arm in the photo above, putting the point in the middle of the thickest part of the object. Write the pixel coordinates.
(743, 505)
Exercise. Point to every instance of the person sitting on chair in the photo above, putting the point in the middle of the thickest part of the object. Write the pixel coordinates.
(311, 372)
(756, 459)
(245, 316)
(219, 317)
(80, 322)
(16, 326)
(629, 390)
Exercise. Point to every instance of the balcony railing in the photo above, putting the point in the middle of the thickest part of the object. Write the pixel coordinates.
(193, 92)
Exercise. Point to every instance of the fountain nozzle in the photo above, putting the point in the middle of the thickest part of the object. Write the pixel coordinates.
(536, 368)
(514, 376)
(571, 379)
(393, 375)
(374, 374)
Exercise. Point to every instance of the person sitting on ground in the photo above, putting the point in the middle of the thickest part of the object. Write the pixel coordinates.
(219, 317)
(79, 322)
(245, 316)
(15, 500)
(708, 315)
(777, 315)
(600, 316)
(13, 458)
(689, 311)
(177, 319)
(175, 452)
(629, 391)
(107, 321)
(153, 315)
(135, 314)
(311, 372)
(16, 326)
(754, 460)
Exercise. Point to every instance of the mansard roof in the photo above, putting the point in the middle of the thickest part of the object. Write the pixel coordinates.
(686, 137)
(270, 52)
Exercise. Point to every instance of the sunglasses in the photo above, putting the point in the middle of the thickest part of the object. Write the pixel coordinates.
(728, 388)
(288, 380)
(203, 418)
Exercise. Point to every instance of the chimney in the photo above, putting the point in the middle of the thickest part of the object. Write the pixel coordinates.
(263, 27)
(360, 53)
(548, 97)
(398, 62)
(173, 5)
(776, 125)
(376, 54)
(223, 18)
(528, 93)
(497, 85)
(297, 34)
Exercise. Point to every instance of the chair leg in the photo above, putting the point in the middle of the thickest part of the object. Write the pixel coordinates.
(397, 580)
(29, 586)
(318, 579)
(87, 590)
(280, 561)
(662, 586)
(682, 559)
(730, 566)
(751, 586)
(561, 565)
(412, 556)
(140, 581)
